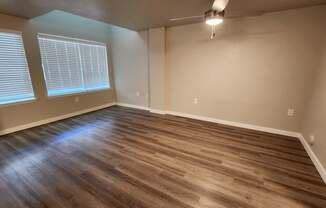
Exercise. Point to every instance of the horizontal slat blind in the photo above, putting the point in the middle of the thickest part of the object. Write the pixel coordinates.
(94, 66)
(72, 66)
(15, 80)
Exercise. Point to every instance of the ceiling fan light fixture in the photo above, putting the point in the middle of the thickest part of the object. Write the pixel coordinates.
(213, 17)
(214, 21)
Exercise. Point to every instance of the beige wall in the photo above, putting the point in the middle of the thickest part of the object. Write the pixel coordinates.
(253, 72)
(130, 62)
(139, 67)
(57, 23)
(315, 119)
(157, 68)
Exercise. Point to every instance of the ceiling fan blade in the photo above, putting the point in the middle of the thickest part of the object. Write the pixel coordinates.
(186, 18)
(234, 15)
(220, 5)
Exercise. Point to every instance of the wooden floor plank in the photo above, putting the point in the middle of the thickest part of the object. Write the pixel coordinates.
(121, 157)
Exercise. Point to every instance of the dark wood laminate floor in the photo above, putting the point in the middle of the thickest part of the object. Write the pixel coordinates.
(120, 157)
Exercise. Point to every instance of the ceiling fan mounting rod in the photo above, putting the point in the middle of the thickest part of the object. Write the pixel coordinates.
(213, 35)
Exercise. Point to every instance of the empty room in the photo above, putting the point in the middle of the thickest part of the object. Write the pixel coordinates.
(163, 104)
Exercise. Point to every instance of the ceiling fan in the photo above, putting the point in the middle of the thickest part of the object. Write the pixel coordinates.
(214, 16)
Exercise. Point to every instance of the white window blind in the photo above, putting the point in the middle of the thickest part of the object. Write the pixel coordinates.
(15, 80)
(72, 65)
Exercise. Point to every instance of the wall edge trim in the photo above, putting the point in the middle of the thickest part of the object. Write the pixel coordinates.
(53, 119)
(321, 169)
(215, 120)
(155, 111)
(237, 124)
(133, 106)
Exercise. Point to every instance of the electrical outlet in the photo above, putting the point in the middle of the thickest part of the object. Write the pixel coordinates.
(195, 101)
(312, 140)
(138, 94)
(76, 99)
(291, 112)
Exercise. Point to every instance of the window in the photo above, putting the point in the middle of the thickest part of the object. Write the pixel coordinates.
(15, 80)
(73, 66)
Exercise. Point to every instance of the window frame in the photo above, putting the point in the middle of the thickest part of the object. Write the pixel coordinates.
(82, 41)
(27, 100)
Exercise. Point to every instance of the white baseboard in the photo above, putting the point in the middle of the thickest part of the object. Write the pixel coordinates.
(215, 120)
(142, 108)
(236, 124)
(132, 106)
(321, 169)
(50, 120)
(158, 111)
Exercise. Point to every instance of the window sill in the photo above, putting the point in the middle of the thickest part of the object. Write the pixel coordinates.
(5, 105)
(50, 97)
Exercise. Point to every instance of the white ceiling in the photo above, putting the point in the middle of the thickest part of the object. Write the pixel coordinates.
(143, 14)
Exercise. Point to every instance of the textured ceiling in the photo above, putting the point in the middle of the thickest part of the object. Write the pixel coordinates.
(143, 14)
